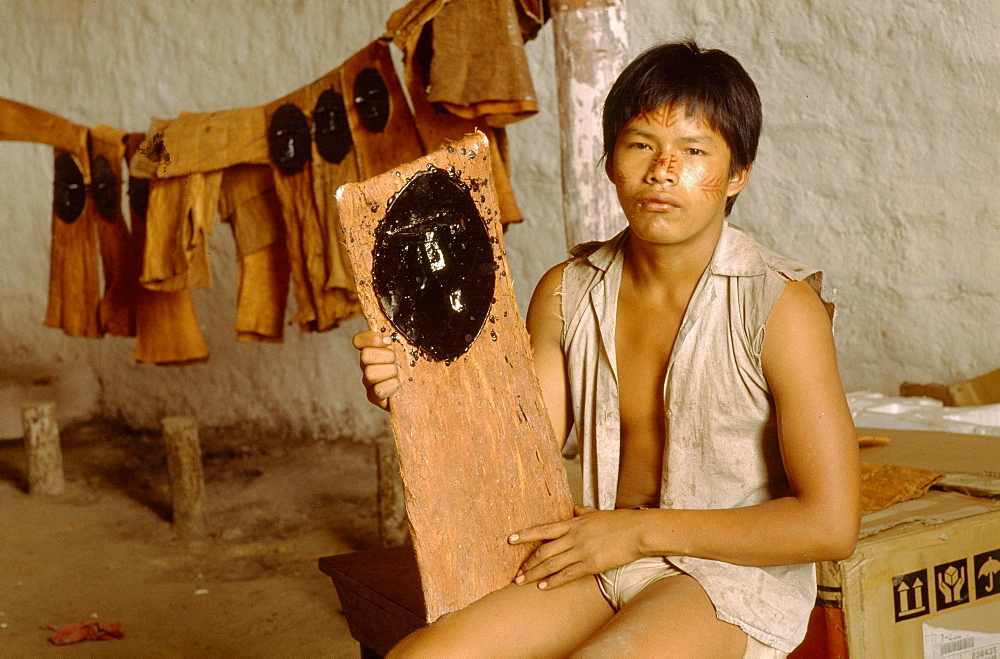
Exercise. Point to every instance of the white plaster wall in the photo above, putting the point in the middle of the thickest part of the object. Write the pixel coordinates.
(878, 162)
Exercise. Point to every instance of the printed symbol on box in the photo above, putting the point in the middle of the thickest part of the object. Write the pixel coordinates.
(952, 584)
(987, 567)
(910, 595)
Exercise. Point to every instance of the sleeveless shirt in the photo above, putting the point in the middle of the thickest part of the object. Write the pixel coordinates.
(722, 450)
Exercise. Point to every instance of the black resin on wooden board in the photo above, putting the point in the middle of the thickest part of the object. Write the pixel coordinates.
(138, 196)
(433, 270)
(69, 194)
(289, 139)
(371, 98)
(105, 189)
(333, 135)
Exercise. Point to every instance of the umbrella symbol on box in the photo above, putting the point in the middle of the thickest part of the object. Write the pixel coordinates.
(988, 570)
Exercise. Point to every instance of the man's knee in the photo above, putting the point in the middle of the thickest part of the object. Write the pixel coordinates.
(449, 636)
(425, 642)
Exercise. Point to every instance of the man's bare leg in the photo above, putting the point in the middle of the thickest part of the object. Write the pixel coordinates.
(515, 621)
(672, 617)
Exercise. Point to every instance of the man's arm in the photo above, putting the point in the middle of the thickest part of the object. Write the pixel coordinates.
(819, 444)
(545, 325)
(819, 521)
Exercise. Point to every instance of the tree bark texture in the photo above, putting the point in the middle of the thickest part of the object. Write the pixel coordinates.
(23, 123)
(121, 279)
(74, 293)
(393, 526)
(322, 299)
(250, 205)
(477, 453)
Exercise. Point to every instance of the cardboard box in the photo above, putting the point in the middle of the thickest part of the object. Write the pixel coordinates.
(982, 390)
(971, 462)
(924, 580)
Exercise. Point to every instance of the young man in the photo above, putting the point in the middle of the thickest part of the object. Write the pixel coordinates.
(698, 368)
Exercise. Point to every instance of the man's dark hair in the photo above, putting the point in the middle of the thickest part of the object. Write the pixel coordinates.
(708, 83)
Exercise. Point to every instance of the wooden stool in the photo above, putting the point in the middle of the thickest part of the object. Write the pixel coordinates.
(379, 591)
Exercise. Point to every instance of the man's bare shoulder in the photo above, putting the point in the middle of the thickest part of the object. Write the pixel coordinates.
(545, 309)
(798, 338)
(799, 302)
(551, 281)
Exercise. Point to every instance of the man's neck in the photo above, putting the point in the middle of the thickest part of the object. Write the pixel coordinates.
(669, 271)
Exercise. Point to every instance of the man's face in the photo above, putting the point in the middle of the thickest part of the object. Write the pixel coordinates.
(672, 175)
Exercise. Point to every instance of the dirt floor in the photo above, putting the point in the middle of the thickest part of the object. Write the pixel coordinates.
(105, 550)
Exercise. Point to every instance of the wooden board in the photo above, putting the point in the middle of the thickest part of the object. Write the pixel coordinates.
(476, 450)
(379, 592)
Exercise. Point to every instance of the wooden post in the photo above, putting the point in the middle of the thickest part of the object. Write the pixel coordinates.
(392, 525)
(41, 441)
(591, 49)
(187, 480)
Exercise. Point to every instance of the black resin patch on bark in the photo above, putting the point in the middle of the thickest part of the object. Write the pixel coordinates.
(371, 98)
(289, 139)
(433, 269)
(333, 135)
(69, 194)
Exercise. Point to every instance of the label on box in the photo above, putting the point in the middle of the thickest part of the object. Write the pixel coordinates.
(911, 595)
(986, 567)
(952, 584)
(958, 644)
(947, 585)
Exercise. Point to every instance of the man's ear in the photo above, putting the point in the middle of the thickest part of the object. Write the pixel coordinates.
(609, 169)
(738, 181)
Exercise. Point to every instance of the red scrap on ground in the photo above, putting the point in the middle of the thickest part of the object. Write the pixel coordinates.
(87, 631)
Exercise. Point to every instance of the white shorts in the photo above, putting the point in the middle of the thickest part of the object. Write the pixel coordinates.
(621, 584)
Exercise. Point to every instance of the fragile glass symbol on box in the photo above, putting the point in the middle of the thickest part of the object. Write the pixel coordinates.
(952, 585)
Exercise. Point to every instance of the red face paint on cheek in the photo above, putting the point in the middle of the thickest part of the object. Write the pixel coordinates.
(711, 187)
